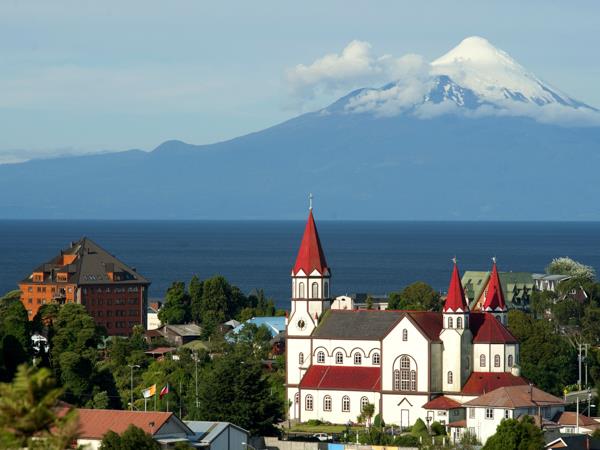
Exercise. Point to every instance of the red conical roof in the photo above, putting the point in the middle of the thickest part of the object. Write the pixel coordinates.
(310, 256)
(456, 300)
(494, 299)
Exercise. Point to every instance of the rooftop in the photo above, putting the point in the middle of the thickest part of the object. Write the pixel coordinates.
(189, 329)
(275, 324)
(442, 402)
(209, 431)
(342, 377)
(520, 396)
(481, 382)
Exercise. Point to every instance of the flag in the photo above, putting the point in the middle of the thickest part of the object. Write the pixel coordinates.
(164, 391)
(149, 392)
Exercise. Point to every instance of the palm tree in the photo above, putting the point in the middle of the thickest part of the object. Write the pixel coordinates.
(368, 411)
(30, 408)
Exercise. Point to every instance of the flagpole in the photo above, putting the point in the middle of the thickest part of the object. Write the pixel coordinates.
(155, 397)
(167, 397)
(145, 403)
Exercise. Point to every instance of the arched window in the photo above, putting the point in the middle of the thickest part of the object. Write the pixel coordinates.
(459, 322)
(339, 358)
(405, 362)
(357, 359)
(496, 360)
(315, 290)
(308, 402)
(326, 289)
(396, 380)
(413, 380)
(450, 378)
(405, 334)
(481, 360)
(450, 324)
(364, 401)
(321, 357)
(327, 403)
(300, 358)
(406, 378)
(511, 360)
(345, 403)
(376, 358)
(498, 318)
(301, 290)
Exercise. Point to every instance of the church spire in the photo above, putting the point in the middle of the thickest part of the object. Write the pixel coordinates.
(456, 300)
(310, 256)
(494, 298)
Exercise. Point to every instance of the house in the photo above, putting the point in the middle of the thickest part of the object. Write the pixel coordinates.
(485, 412)
(165, 427)
(516, 286)
(339, 361)
(160, 353)
(544, 282)
(571, 442)
(571, 422)
(178, 335)
(152, 320)
(218, 435)
(275, 324)
(360, 301)
(113, 293)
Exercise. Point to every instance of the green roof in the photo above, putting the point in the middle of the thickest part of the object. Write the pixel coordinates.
(514, 285)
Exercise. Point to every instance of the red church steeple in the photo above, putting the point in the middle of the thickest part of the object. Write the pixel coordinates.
(456, 300)
(310, 256)
(494, 298)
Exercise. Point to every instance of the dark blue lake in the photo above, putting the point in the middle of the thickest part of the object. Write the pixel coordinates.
(375, 257)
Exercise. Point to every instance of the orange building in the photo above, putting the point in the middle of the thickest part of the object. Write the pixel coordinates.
(114, 294)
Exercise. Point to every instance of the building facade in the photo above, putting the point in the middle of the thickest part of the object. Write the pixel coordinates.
(114, 294)
(340, 360)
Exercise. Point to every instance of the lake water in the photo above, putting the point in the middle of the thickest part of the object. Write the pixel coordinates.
(374, 257)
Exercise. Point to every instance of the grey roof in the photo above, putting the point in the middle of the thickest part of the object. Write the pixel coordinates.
(90, 267)
(356, 324)
(209, 431)
(544, 276)
(189, 329)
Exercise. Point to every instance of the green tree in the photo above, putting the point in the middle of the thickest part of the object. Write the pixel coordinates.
(547, 359)
(15, 335)
(220, 302)
(516, 434)
(196, 288)
(367, 413)
(418, 296)
(541, 302)
(176, 309)
(133, 438)
(567, 312)
(28, 409)
(567, 266)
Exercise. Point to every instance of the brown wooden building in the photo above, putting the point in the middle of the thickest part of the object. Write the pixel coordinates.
(113, 293)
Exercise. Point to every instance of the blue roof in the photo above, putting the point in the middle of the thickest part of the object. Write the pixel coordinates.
(275, 324)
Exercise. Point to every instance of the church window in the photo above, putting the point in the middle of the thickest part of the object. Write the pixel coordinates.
(481, 360)
(405, 362)
(315, 290)
(413, 380)
(339, 358)
(346, 403)
(308, 402)
(496, 360)
(376, 358)
(405, 335)
(396, 380)
(301, 290)
(510, 360)
(357, 359)
(327, 403)
(364, 401)
(459, 323)
(489, 413)
(300, 358)
(297, 398)
(450, 323)
(326, 289)
(404, 380)
(321, 357)
(498, 318)
(450, 378)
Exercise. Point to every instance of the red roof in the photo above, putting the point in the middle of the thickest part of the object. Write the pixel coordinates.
(442, 402)
(458, 424)
(430, 322)
(486, 329)
(342, 377)
(456, 300)
(94, 423)
(494, 298)
(481, 382)
(310, 256)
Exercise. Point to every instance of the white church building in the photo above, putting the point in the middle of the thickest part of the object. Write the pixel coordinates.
(408, 364)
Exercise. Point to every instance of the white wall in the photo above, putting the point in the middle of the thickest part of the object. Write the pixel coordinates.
(398, 408)
(336, 415)
(294, 347)
(152, 321)
(348, 348)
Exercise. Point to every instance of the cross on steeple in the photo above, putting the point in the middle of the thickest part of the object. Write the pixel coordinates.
(310, 199)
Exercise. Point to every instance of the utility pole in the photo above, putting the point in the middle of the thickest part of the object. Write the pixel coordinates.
(579, 360)
(179, 396)
(131, 366)
(586, 364)
(196, 361)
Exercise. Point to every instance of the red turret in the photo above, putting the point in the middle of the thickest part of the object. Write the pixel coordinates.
(456, 300)
(310, 256)
(494, 298)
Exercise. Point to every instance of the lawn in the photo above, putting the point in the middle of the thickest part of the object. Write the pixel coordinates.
(324, 428)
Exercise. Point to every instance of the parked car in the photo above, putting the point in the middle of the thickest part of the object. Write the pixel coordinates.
(323, 437)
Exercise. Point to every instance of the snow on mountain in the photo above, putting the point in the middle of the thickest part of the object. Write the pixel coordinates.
(476, 79)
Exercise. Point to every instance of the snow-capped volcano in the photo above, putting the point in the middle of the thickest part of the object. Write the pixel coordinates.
(474, 78)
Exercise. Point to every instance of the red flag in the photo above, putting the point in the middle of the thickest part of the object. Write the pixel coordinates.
(164, 391)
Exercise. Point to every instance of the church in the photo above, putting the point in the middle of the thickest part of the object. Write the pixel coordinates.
(408, 364)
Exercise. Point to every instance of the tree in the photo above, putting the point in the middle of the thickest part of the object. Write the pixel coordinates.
(15, 335)
(367, 413)
(547, 359)
(176, 309)
(418, 296)
(133, 438)
(196, 288)
(567, 266)
(516, 434)
(28, 412)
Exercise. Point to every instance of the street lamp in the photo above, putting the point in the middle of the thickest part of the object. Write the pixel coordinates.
(132, 366)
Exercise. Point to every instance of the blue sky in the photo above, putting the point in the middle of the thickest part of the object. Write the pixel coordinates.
(81, 76)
